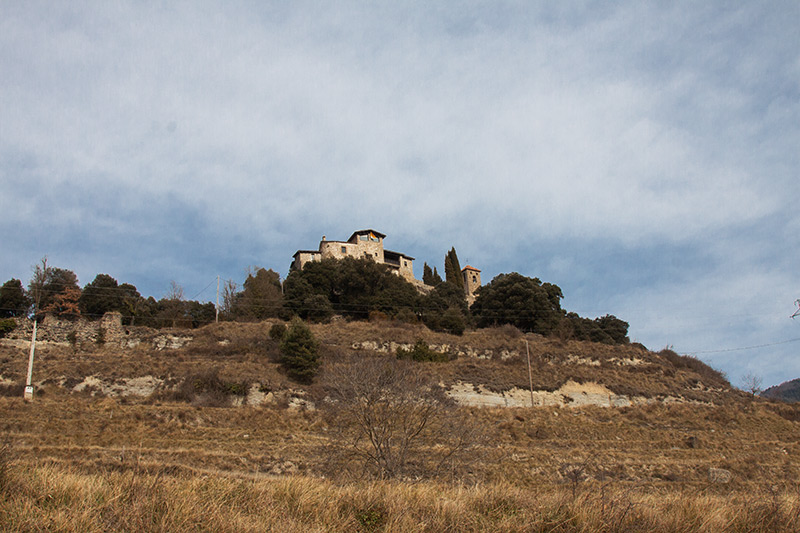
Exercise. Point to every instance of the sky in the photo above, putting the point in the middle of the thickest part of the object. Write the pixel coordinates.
(643, 156)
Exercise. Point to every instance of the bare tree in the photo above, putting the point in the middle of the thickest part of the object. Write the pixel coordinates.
(41, 275)
(175, 291)
(229, 292)
(390, 413)
(751, 383)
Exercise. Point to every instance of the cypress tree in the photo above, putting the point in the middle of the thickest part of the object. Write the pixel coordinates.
(427, 275)
(452, 269)
(437, 279)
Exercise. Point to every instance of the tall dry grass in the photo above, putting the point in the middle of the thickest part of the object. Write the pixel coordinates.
(55, 498)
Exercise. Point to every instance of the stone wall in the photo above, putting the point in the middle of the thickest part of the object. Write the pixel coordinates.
(54, 329)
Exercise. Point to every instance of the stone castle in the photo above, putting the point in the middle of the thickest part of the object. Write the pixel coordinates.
(369, 243)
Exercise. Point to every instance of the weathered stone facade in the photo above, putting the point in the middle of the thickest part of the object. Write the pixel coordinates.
(472, 282)
(362, 243)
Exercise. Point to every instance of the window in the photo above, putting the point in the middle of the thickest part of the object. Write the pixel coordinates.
(344, 250)
(405, 263)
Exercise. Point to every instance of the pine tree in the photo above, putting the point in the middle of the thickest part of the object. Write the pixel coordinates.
(300, 352)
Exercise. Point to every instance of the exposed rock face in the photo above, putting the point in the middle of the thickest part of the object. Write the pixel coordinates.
(571, 394)
(170, 342)
(140, 386)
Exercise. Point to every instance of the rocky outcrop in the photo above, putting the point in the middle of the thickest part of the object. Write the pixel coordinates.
(571, 394)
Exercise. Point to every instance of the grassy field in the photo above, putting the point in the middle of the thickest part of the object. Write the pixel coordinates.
(175, 462)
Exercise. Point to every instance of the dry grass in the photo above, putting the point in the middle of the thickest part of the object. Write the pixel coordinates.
(54, 498)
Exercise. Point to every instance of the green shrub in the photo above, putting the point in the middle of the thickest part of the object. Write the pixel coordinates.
(300, 352)
(421, 352)
(453, 322)
(7, 325)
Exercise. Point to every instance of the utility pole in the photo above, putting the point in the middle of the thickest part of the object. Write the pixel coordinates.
(530, 375)
(216, 318)
(28, 395)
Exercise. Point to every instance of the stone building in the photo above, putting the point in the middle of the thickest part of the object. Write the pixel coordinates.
(362, 243)
(472, 281)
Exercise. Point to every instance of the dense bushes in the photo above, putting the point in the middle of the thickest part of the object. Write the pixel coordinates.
(524, 302)
(349, 287)
(607, 329)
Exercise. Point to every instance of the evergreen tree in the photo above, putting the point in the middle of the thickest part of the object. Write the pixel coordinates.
(427, 275)
(524, 302)
(452, 269)
(262, 296)
(437, 279)
(300, 352)
(100, 296)
(13, 301)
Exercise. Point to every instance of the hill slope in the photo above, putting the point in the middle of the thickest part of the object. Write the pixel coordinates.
(788, 391)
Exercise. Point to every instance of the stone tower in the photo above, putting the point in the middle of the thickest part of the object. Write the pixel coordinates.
(472, 281)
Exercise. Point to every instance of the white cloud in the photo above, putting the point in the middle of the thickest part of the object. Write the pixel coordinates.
(491, 127)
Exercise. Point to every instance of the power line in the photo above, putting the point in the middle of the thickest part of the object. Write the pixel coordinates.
(743, 348)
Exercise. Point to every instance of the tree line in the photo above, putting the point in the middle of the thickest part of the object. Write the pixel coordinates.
(357, 289)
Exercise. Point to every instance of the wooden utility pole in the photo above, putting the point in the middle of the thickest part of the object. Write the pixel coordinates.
(216, 318)
(530, 375)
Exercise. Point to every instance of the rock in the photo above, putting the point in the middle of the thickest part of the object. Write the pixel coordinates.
(719, 475)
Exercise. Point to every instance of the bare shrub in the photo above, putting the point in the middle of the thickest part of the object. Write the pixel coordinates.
(206, 388)
(688, 362)
(12, 389)
(395, 419)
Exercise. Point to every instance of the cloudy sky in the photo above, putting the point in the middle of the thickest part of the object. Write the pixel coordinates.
(642, 156)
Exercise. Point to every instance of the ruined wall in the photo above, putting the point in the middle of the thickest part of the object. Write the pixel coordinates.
(54, 329)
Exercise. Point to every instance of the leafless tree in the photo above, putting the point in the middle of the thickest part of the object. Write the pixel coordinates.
(395, 418)
(41, 275)
(751, 383)
(229, 292)
(175, 292)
